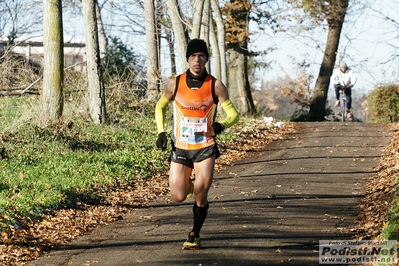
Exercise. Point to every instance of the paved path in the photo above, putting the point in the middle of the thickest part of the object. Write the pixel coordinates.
(271, 209)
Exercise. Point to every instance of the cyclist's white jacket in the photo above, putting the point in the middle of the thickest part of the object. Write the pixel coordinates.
(344, 78)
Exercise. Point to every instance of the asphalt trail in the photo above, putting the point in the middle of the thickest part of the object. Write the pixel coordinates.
(271, 209)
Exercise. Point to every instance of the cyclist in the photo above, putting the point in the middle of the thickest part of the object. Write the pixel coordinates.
(344, 78)
(194, 95)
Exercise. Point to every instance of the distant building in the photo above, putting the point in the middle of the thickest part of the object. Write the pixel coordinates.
(31, 48)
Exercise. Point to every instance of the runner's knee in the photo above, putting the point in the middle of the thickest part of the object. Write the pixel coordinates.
(179, 196)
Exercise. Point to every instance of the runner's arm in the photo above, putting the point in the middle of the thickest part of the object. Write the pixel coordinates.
(162, 103)
(232, 115)
(160, 113)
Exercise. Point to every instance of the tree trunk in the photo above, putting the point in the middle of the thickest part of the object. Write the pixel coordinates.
(96, 85)
(221, 38)
(101, 32)
(239, 89)
(164, 21)
(178, 29)
(53, 76)
(237, 31)
(216, 70)
(197, 19)
(169, 38)
(158, 35)
(205, 29)
(319, 98)
(152, 50)
(204, 33)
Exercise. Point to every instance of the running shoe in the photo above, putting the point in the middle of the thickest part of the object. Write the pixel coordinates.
(336, 103)
(192, 242)
(191, 189)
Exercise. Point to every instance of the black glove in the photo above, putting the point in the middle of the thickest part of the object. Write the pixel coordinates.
(217, 128)
(162, 141)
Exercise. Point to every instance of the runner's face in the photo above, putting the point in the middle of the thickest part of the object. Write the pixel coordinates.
(196, 63)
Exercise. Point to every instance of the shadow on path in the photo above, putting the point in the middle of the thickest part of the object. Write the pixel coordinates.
(271, 209)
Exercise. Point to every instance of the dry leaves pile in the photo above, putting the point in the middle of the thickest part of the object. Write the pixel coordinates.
(381, 189)
(31, 238)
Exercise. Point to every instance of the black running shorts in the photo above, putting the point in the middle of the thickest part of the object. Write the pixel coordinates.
(188, 158)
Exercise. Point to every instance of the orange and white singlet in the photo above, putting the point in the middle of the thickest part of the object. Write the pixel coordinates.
(193, 114)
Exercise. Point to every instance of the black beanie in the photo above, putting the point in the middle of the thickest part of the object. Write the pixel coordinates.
(195, 46)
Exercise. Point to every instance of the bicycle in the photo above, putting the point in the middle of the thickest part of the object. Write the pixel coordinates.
(343, 105)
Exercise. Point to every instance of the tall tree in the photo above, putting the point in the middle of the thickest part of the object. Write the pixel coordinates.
(333, 11)
(73, 9)
(237, 38)
(52, 98)
(216, 69)
(151, 50)
(164, 20)
(102, 37)
(198, 8)
(96, 87)
(170, 40)
(221, 40)
(179, 29)
(205, 29)
(204, 33)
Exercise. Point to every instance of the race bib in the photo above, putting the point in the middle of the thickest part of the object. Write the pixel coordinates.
(193, 130)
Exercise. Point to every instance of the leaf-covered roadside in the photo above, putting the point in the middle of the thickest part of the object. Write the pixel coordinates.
(379, 219)
(28, 241)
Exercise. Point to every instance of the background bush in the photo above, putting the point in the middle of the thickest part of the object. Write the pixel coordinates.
(384, 104)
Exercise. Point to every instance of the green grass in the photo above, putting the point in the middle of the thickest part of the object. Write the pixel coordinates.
(48, 166)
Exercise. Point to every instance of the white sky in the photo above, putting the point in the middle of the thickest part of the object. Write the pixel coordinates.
(367, 44)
